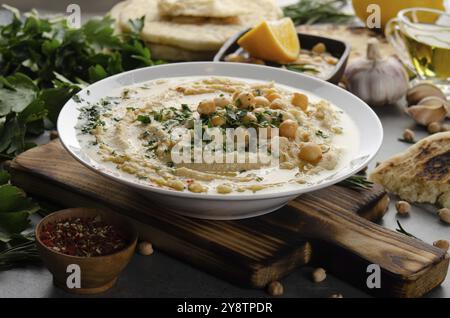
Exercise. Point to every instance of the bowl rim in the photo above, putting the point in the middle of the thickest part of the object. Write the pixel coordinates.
(64, 131)
(69, 211)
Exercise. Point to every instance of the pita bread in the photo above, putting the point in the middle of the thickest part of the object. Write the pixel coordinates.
(421, 173)
(201, 8)
(171, 53)
(193, 36)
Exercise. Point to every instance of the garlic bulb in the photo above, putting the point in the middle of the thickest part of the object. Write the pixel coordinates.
(376, 80)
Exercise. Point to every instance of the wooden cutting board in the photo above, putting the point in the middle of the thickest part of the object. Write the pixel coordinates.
(332, 228)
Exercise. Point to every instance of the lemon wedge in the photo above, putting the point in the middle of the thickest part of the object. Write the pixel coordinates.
(275, 41)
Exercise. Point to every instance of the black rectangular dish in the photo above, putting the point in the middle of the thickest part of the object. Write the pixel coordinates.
(336, 48)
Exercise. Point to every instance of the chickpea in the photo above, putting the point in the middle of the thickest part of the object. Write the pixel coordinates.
(444, 215)
(434, 127)
(319, 275)
(278, 104)
(331, 60)
(206, 107)
(271, 97)
(403, 207)
(300, 100)
(311, 153)
(275, 288)
(442, 244)
(319, 48)
(249, 118)
(245, 100)
(288, 128)
(409, 135)
(261, 101)
(221, 102)
(145, 248)
(218, 121)
(196, 187)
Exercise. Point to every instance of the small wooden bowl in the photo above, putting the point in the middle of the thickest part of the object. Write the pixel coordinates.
(98, 273)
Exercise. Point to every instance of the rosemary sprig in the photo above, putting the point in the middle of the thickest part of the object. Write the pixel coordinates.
(302, 68)
(317, 11)
(402, 230)
(407, 141)
(20, 254)
(356, 182)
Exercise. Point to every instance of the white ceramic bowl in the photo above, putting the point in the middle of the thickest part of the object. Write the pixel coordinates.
(234, 206)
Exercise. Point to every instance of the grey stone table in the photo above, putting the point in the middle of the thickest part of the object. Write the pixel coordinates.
(162, 276)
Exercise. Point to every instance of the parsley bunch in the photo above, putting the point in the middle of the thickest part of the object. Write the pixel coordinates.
(44, 62)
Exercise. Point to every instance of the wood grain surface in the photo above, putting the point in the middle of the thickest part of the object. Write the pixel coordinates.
(331, 228)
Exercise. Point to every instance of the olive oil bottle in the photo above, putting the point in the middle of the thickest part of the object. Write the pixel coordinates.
(429, 48)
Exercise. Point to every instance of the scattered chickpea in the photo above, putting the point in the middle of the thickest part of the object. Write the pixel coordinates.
(319, 48)
(206, 107)
(336, 296)
(300, 100)
(275, 288)
(311, 153)
(288, 129)
(444, 215)
(245, 100)
(221, 102)
(145, 248)
(277, 104)
(403, 207)
(442, 244)
(409, 135)
(271, 97)
(54, 134)
(218, 121)
(261, 101)
(196, 187)
(434, 127)
(319, 275)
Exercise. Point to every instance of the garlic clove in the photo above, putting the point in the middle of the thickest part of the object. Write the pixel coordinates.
(421, 91)
(426, 114)
(432, 100)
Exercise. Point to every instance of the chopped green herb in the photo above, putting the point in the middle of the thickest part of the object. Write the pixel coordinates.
(144, 119)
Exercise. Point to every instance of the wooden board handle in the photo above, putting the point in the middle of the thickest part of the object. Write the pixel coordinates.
(345, 245)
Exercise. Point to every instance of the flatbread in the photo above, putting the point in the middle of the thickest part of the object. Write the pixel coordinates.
(171, 53)
(115, 14)
(201, 8)
(421, 173)
(194, 36)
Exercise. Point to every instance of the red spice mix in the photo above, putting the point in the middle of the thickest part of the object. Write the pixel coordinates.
(84, 237)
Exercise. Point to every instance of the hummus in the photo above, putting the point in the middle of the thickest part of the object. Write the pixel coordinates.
(218, 135)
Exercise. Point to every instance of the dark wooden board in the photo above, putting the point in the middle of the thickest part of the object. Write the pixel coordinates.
(332, 228)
